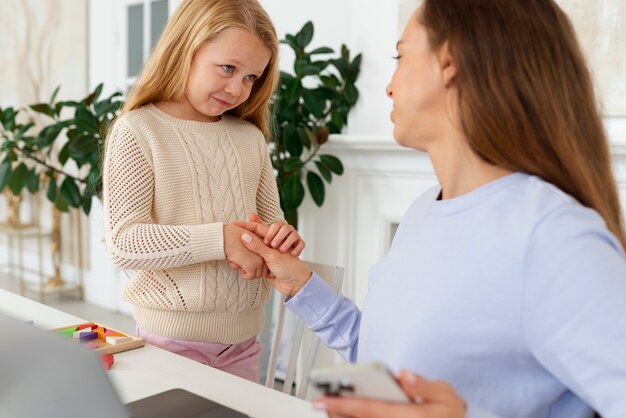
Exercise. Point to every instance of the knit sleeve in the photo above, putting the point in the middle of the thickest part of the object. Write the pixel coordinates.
(133, 239)
(267, 199)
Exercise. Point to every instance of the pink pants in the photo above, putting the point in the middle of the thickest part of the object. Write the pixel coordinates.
(239, 359)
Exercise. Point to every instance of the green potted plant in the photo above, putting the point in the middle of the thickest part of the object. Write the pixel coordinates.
(31, 156)
(309, 104)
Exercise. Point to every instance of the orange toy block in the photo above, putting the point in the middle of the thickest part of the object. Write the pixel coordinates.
(113, 333)
(101, 333)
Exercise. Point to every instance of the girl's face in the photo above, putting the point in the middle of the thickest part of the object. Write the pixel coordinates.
(222, 74)
(417, 89)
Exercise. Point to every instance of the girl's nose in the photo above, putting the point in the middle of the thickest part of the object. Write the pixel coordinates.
(233, 87)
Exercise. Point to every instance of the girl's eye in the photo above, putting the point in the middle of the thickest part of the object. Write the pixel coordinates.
(251, 77)
(228, 68)
(396, 57)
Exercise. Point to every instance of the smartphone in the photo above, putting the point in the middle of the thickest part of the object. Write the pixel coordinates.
(364, 380)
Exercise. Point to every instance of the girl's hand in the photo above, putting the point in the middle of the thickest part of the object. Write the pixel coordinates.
(279, 235)
(434, 399)
(288, 273)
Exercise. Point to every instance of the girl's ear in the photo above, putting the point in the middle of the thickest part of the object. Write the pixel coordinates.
(447, 64)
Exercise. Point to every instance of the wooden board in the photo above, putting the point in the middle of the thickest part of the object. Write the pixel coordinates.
(102, 347)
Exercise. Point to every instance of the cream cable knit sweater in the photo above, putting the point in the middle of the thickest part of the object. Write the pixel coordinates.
(169, 185)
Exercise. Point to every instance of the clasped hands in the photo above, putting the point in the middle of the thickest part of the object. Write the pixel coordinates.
(279, 236)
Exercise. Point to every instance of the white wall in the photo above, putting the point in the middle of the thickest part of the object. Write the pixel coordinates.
(44, 44)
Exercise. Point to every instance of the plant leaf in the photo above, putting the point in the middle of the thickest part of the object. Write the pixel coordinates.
(5, 172)
(64, 154)
(293, 91)
(322, 50)
(351, 94)
(292, 164)
(291, 41)
(8, 118)
(54, 94)
(306, 136)
(291, 193)
(313, 102)
(84, 145)
(324, 171)
(60, 203)
(86, 121)
(32, 181)
(87, 203)
(70, 192)
(18, 179)
(305, 35)
(316, 187)
(332, 163)
(43, 108)
(292, 141)
(52, 190)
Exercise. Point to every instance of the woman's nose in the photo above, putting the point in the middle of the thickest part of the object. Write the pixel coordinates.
(388, 91)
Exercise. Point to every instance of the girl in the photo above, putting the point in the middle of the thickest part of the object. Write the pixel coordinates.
(184, 160)
(508, 279)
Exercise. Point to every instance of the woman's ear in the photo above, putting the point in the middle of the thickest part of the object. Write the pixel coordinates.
(447, 64)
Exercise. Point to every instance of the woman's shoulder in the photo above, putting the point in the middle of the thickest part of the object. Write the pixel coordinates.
(558, 217)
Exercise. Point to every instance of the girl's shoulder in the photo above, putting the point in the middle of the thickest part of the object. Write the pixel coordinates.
(138, 117)
(131, 123)
(243, 125)
(242, 131)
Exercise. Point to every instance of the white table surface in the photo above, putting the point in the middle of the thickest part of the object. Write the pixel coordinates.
(149, 370)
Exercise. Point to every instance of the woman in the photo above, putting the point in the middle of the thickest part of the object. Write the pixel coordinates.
(508, 280)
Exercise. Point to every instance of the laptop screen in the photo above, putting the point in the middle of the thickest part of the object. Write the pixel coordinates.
(45, 375)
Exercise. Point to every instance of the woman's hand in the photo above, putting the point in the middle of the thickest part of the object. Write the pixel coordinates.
(279, 235)
(434, 399)
(289, 274)
(250, 265)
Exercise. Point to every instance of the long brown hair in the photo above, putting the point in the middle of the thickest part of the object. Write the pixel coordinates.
(526, 97)
(164, 77)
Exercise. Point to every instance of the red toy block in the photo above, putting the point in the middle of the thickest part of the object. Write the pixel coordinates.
(107, 361)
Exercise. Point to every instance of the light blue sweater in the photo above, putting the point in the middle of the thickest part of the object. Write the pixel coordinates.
(513, 293)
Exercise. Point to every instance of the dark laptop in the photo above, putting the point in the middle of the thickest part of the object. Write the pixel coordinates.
(179, 403)
(43, 375)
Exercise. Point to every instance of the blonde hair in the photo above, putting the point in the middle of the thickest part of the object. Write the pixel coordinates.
(526, 97)
(164, 77)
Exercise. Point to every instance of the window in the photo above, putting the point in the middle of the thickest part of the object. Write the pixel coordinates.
(145, 21)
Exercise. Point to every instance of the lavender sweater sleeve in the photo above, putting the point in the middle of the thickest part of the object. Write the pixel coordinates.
(329, 314)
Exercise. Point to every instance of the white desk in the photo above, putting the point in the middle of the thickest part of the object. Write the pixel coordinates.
(148, 370)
